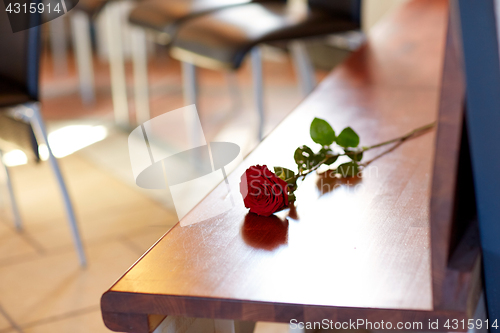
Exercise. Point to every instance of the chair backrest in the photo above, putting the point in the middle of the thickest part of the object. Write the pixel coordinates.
(20, 53)
(19, 67)
(347, 8)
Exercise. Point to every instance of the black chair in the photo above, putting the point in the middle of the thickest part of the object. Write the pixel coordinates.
(221, 39)
(163, 18)
(20, 107)
(160, 20)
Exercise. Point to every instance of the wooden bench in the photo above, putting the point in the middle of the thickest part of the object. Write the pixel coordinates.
(359, 250)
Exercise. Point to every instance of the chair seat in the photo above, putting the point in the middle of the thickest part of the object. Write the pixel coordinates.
(90, 7)
(11, 95)
(12, 130)
(222, 38)
(164, 16)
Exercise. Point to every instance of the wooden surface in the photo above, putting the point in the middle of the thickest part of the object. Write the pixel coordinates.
(355, 250)
(454, 231)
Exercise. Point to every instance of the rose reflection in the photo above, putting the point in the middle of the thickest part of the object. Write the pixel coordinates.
(328, 181)
(264, 232)
(292, 213)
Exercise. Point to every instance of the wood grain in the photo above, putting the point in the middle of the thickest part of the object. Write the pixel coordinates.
(357, 249)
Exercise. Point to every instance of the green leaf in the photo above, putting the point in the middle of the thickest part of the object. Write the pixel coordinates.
(354, 155)
(304, 157)
(348, 138)
(291, 198)
(349, 169)
(331, 160)
(285, 174)
(321, 132)
(323, 153)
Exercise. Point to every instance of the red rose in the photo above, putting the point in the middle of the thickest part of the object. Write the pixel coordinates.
(263, 192)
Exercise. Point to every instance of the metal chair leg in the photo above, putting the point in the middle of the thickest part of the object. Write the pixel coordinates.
(80, 27)
(303, 66)
(258, 87)
(190, 84)
(39, 127)
(140, 59)
(190, 91)
(101, 38)
(58, 45)
(13, 201)
(116, 63)
(232, 82)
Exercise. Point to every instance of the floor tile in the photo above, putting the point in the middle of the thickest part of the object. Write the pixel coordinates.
(6, 223)
(107, 227)
(112, 156)
(264, 327)
(84, 323)
(15, 245)
(55, 285)
(40, 200)
(9, 330)
(4, 324)
(143, 240)
(6, 218)
(105, 207)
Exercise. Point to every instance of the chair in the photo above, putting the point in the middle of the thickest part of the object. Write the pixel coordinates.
(164, 17)
(19, 108)
(114, 11)
(80, 17)
(82, 47)
(161, 19)
(221, 39)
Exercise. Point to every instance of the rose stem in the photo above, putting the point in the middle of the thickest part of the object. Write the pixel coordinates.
(400, 139)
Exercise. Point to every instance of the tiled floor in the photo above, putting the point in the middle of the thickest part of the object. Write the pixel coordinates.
(42, 287)
(5, 325)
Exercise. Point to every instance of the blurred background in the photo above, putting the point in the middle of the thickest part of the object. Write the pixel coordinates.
(105, 68)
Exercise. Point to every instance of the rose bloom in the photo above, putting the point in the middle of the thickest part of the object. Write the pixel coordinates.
(263, 192)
